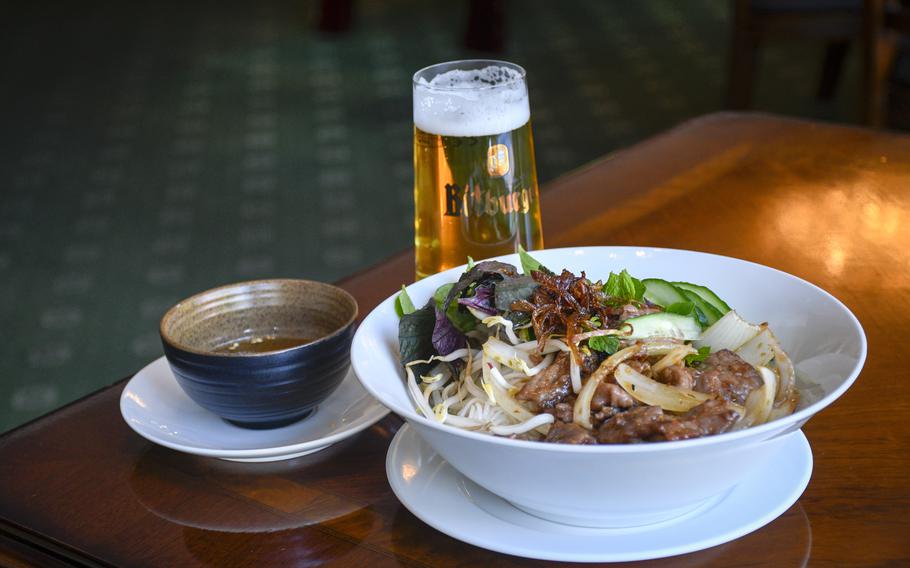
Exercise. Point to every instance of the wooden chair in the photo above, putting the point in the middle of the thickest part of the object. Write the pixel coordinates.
(874, 23)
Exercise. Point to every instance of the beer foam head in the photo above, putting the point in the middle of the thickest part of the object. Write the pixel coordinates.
(478, 102)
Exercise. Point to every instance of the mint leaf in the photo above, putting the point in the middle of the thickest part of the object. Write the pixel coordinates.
(403, 303)
(702, 354)
(529, 264)
(608, 344)
(624, 286)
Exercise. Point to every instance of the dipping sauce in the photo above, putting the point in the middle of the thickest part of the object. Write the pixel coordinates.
(262, 344)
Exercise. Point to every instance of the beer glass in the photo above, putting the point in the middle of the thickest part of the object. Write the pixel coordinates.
(475, 181)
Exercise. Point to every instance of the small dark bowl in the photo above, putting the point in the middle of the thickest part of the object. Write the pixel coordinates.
(261, 389)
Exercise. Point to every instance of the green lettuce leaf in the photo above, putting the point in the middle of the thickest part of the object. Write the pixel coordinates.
(403, 303)
(530, 264)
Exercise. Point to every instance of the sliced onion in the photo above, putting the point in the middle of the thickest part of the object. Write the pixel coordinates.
(758, 350)
(550, 346)
(581, 412)
(574, 374)
(729, 332)
(659, 346)
(760, 401)
(787, 375)
(786, 408)
(579, 337)
(674, 357)
(653, 393)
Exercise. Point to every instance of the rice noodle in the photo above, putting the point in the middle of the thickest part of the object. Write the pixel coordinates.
(522, 427)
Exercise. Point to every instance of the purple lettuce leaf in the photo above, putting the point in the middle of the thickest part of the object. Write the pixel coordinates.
(446, 337)
(482, 300)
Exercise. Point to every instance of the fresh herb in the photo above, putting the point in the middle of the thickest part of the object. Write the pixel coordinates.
(513, 289)
(530, 264)
(403, 303)
(462, 319)
(446, 336)
(415, 335)
(702, 354)
(482, 273)
(481, 300)
(624, 286)
(471, 264)
(608, 344)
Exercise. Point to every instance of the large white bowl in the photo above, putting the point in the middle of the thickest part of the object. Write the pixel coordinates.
(631, 485)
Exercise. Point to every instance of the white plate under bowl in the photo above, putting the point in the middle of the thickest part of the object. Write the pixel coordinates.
(154, 405)
(449, 502)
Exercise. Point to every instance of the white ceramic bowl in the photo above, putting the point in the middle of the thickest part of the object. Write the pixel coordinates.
(631, 485)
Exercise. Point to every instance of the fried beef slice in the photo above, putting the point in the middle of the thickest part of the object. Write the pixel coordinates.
(725, 373)
(550, 386)
(569, 433)
(650, 424)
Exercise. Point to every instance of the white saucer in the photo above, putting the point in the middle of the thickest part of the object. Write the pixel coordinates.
(444, 499)
(154, 405)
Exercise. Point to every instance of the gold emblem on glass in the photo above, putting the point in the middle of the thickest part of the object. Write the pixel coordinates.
(498, 160)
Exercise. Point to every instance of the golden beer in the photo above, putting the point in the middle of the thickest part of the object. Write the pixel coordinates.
(475, 181)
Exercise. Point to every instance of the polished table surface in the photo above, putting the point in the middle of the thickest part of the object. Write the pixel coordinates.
(827, 203)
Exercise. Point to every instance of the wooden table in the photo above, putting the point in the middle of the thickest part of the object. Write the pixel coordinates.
(827, 203)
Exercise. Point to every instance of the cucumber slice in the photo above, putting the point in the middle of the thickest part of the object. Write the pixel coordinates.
(662, 293)
(710, 312)
(663, 324)
(706, 295)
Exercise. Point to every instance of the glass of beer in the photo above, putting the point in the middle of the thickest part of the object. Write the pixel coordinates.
(475, 181)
